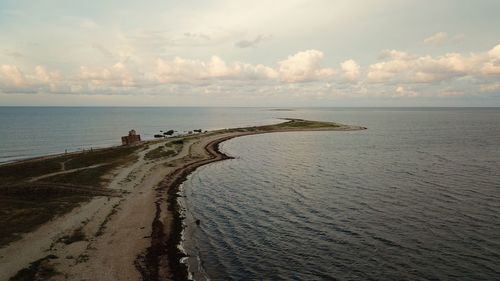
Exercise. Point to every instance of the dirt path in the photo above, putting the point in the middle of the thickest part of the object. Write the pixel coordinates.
(64, 171)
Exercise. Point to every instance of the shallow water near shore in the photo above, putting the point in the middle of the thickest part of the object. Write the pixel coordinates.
(414, 197)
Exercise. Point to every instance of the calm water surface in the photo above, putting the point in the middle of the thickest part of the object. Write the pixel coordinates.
(35, 131)
(414, 197)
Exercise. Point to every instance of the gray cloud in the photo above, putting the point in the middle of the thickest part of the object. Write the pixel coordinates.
(197, 35)
(103, 50)
(12, 53)
(251, 43)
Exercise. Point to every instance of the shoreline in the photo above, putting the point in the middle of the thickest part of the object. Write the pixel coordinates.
(174, 254)
(136, 232)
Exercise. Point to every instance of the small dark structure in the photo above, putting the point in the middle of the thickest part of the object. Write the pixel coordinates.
(132, 138)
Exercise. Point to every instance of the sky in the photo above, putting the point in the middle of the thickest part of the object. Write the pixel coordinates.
(288, 53)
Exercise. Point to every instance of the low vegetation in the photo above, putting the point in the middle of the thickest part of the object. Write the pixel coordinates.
(89, 158)
(75, 236)
(103, 224)
(299, 124)
(24, 170)
(25, 205)
(38, 270)
(168, 150)
(290, 124)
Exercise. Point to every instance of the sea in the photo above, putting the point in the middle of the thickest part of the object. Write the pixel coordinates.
(416, 196)
(28, 132)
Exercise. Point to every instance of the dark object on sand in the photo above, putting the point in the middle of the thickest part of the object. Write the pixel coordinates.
(198, 222)
(197, 131)
(169, 132)
(158, 136)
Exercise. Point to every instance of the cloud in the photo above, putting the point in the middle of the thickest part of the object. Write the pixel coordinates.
(88, 24)
(492, 66)
(47, 78)
(11, 75)
(153, 40)
(396, 74)
(442, 38)
(303, 67)
(436, 39)
(490, 88)
(116, 76)
(458, 38)
(180, 70)
(251, 43)
(402, 92)
(103, 50)
(197, 35)
(402, 67)
(12, 79)
(351, 70)
(13, 54)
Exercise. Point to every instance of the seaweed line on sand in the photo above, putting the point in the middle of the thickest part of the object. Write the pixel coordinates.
(164, 248)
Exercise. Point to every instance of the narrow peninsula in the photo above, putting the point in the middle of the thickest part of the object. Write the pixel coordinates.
(108, 214)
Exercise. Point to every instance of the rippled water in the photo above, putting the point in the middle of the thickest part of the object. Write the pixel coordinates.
(414, 197)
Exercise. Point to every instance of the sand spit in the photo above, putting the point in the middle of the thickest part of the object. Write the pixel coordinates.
(133, 233)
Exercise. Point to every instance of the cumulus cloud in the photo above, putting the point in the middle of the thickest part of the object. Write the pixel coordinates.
(403, 67)
(396, 74)
(304, 66)
(402, 92)
(181, 70)
(12, 79)
(47, 78)
(492, 66)
(11, 75)
(350, 69)
(116, 76)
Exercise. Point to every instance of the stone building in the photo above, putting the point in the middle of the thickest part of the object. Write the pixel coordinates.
(132, 138)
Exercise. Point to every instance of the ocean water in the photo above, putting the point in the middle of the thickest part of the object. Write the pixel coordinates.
(414, 197)
(34, 131)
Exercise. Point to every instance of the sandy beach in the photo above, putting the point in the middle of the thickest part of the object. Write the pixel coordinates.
(130, 228)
